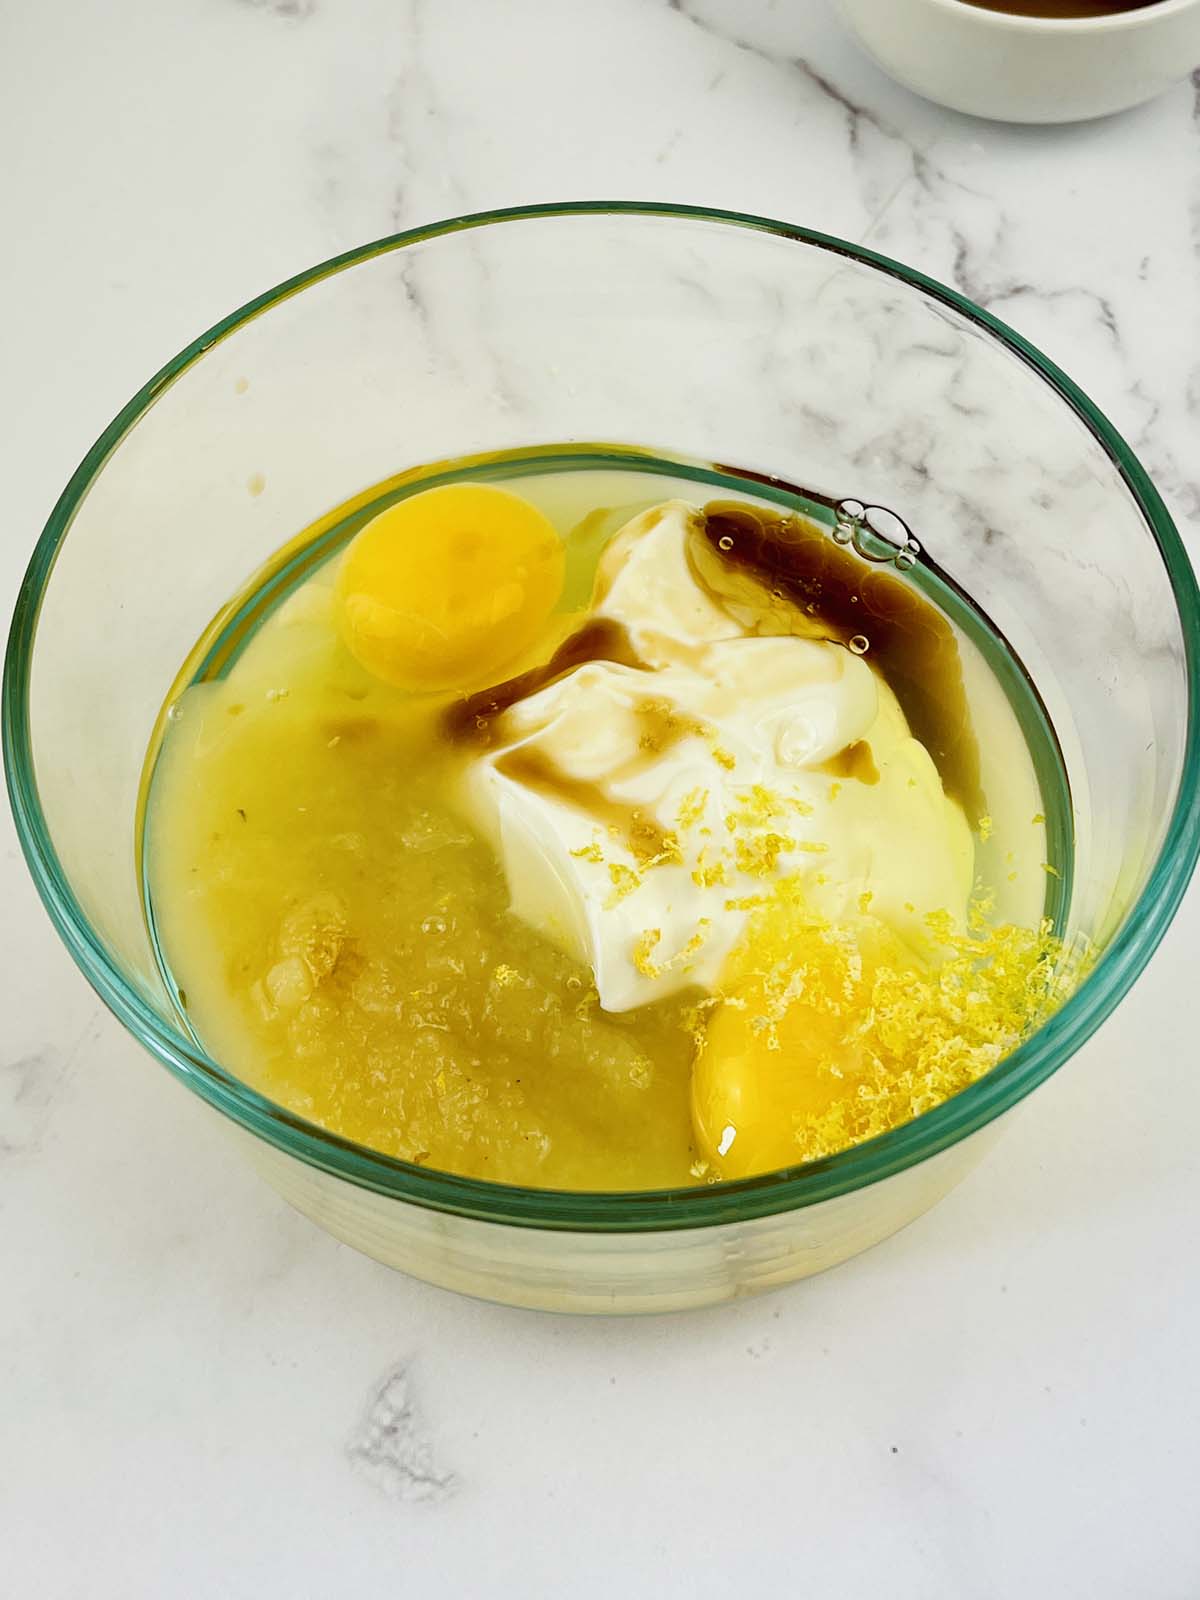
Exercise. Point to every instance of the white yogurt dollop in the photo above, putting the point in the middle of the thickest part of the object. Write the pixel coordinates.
(639, 811)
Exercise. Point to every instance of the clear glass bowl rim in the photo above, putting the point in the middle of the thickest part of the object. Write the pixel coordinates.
(648, 1210)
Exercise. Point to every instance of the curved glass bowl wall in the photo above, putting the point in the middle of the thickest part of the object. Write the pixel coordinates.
(706, 336)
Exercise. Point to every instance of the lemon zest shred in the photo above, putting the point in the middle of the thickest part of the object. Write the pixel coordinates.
(624, 881)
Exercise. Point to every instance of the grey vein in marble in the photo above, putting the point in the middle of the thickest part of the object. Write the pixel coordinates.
(973, 270)
(30, 1086)
(290, 10)
(391, 1446)
(418, 124)
(859, 119)
(27, 1089)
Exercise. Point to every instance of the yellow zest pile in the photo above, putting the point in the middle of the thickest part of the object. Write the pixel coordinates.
(829, 1035)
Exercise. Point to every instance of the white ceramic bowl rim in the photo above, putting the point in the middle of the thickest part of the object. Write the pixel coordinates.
(1008, 20)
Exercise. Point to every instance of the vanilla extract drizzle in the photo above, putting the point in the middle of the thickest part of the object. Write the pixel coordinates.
(473, 719)
(785, 566)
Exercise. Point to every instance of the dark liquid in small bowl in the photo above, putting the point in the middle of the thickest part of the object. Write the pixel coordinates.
(1062, 8)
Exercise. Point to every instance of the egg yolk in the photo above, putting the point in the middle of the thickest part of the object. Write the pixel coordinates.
(442, 589)
(784, 1048)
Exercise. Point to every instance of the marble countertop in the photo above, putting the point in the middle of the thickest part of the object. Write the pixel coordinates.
(1000, 1401)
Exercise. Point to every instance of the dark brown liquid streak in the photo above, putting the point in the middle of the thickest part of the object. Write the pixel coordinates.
(533, 768)
(912, 645)
(856, 761)
(472, 719)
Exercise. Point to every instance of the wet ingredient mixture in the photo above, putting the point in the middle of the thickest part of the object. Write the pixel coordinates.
(630, 853)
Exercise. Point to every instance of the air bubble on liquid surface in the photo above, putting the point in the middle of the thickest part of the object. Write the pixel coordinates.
(879, 534)
(849, 519)
(725, 542)
(434, 925)
(859, 644)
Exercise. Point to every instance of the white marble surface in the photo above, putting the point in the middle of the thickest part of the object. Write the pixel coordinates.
(194, 1383)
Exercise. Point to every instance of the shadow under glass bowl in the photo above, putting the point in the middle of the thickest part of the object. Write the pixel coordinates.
(696, 334)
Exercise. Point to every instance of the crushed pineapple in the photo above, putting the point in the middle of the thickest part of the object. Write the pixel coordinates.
(349, 953)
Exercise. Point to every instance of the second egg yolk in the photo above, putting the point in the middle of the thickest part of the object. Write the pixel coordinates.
(782, 1052)
(443, 589)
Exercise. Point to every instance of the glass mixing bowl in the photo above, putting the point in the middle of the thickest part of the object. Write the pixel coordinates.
(697, 334)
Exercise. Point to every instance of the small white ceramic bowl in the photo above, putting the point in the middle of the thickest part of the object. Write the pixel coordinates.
(1029, 69)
